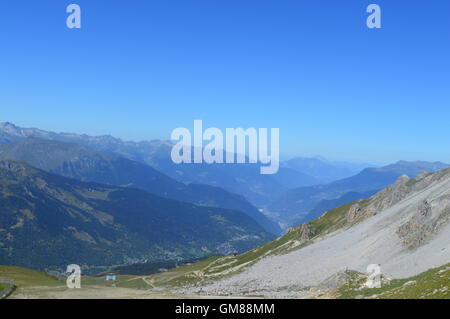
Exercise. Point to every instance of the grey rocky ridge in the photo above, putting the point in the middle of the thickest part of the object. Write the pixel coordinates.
(404, 228)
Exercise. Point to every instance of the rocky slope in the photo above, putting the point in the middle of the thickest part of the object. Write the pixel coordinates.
(295, 205)
(404, 228)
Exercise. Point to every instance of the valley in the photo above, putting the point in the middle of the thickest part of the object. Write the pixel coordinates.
(98, 202)
(49, 220)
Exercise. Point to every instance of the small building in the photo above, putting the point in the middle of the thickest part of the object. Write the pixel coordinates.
(111, 276)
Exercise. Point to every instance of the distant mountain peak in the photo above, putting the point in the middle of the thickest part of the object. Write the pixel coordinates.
(10, 128)
(4, 124)
(16, 132)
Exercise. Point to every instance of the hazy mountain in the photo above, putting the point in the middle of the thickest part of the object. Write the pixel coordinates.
(293, 205)
(51, 221)
(291, 178)
(324, 170)
(82, 163)
(243, 179)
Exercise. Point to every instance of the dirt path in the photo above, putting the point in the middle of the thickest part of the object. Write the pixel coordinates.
(97, 292)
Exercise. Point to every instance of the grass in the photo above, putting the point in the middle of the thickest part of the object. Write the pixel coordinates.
(23, 277)
(432, 284)
(183, 275)
(123, 281)
(334, 219)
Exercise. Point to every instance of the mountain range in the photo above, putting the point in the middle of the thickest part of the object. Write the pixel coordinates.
(324, 170)
(295, 195)
(82, 163)
(243, 179)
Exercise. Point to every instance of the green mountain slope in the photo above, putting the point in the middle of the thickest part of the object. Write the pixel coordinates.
(432, 284)
(24, 277)
(49, 221)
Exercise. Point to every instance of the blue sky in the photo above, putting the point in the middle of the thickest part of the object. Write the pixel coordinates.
(138, 69)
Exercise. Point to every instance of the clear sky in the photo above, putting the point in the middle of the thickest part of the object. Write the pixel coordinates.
(140, 68)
